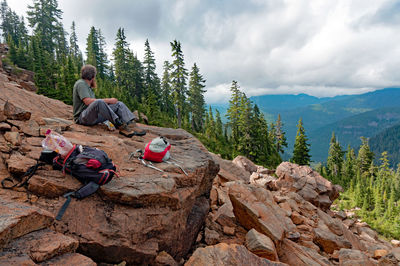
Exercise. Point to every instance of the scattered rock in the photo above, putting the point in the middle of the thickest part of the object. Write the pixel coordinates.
(18, 219)
(16, 113)
(261, 245)
(341, 215)
(41, 246)
(379, 253)
(307, 183)
(329, 242)
(229, 230)
(211, 237)
(254, 207)
(395, 243)
(350, 257)
(5, 127)
(164, 259)
(18, 164)
(71, 259)
(294, 254)
(245, 164)
(224, 254)
(13, 137)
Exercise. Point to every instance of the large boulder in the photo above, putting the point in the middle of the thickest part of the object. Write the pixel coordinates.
(224, 254)
(307, 183)
(261, 245)
(17, 219)
(254, 207)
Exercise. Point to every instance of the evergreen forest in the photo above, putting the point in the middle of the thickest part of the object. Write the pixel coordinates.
(176, 99)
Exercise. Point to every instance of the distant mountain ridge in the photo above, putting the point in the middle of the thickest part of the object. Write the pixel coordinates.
(321, 116)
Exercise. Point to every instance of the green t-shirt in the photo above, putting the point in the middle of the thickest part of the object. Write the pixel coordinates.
(81, 90)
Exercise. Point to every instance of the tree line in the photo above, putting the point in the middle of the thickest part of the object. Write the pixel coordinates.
(371, 188)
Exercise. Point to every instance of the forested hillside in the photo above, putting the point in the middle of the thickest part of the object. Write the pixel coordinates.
(349, 130)
(388, 140)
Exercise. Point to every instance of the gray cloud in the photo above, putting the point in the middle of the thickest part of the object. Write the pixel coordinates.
(322, 48)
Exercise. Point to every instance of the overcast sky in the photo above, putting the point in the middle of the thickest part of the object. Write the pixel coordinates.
(318, 47)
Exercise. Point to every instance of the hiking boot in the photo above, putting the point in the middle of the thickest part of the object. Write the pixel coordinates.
(131, 130)
(118, 123)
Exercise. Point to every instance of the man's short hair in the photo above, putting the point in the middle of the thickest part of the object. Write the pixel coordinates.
(88, 72)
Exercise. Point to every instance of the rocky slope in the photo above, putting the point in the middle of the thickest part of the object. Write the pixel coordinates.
(222, 213)
(133, 218)
(284, 217)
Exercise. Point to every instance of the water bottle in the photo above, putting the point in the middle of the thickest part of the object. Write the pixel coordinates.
(57, 143)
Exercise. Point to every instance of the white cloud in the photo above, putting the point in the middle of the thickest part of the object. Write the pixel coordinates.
(321, 48)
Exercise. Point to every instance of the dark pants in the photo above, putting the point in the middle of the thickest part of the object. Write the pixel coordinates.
(98, 112)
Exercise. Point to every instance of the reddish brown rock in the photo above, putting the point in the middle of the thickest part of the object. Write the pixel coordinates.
(2, 116)
(261, 245)
(254, 207)
(307, 183)
(329, 242)
(294, 254)
(245, 164)
(40, 246)
(223, 254)
(297, 218)
(379, 253)
(334, 225)
(28, 85)
(13, 137)
(18, 164)
(225, 216)
(164, 259)
(286, 207)
(71, 259)
(12, 111)
(229, 230)
(4, 126)
(211, 237)
(351, 257)
(230, 171)
(19, 219)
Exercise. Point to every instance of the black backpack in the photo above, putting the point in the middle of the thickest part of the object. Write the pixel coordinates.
(89, 165)
(78, 164)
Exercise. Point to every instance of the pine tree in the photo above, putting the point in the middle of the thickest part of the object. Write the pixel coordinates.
(365, 156)
(280, 135)
(151, 79)
(335, 160)
(167, 105)
(349, 166)
(233, 113)
(301, 149)
(196, 98)
(178, 80)
(74, 50)
(44, 17)
(123, 66)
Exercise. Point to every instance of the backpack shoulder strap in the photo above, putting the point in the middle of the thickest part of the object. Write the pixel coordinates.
(81, 193)
(25, 177)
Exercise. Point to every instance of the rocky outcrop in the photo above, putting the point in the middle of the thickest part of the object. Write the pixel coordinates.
(134, 218)
(287, 219)
(307, 183)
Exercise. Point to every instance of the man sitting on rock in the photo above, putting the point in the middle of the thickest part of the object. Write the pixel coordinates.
(90, 111)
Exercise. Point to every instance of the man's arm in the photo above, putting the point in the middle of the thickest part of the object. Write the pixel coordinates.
(87, 101)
